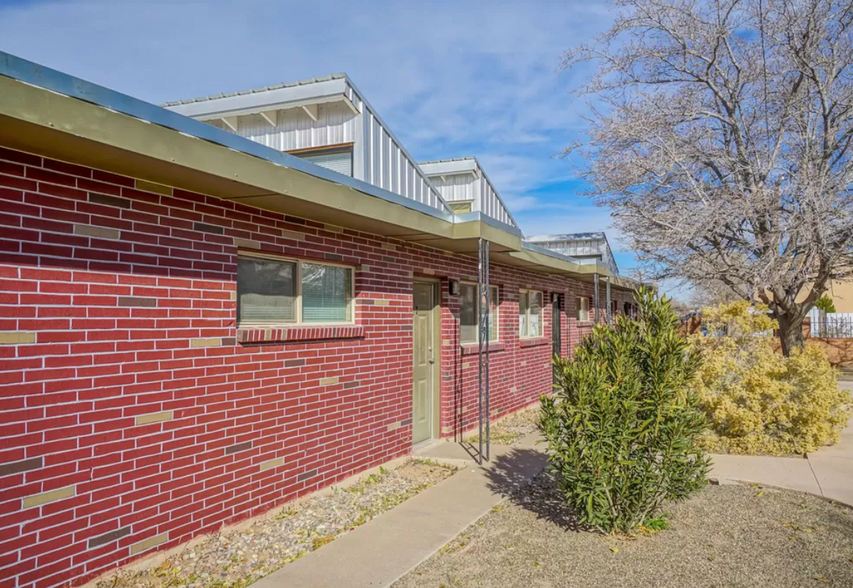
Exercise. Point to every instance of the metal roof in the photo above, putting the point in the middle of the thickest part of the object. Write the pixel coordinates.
(337, 76)
(567, 237)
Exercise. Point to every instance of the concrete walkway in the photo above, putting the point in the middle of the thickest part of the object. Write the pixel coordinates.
(389, 546)
(827, 472)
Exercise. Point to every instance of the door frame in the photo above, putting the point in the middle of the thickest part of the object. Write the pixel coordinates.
(435, 417)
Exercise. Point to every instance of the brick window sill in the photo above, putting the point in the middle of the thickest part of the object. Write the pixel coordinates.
(534, 342)
(474, 348)
(298, 333)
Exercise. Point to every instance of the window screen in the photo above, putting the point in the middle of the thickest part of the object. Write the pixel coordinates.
(265, 291)
(467, 313)
(326, 293)
(583, 308)
(535, 329)
(529, 313)
(339, 160)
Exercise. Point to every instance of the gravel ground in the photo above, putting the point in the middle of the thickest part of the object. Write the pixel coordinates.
(510, 430)
(236, 558)
(726, 537)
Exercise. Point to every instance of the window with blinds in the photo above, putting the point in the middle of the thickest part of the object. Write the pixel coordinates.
(339, 159)
(280, 292)
(326, 293)
(266, 292)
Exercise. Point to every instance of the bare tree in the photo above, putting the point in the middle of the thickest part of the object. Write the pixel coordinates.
(721, 140)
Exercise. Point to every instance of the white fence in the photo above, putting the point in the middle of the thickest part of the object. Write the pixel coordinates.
(832, 325)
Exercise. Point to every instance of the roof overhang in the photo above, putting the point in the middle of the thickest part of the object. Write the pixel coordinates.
(55, 115)
(450, 168)
(301, 96)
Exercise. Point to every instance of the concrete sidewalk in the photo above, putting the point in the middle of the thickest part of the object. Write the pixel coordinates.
(389, 546)
(827, 472)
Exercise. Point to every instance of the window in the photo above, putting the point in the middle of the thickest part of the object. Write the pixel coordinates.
(468, 313)
(274, 291)
(337, 159)
(583, 309)
(530, 314)
(461, 206)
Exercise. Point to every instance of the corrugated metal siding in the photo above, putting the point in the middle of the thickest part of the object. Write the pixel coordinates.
(335, 124)
(583, 247)
(388, 165)
(490, 203)
(455, 187)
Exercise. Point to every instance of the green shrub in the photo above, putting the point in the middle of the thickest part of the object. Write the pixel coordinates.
(825, 304)
(622, 424)
(758, 401)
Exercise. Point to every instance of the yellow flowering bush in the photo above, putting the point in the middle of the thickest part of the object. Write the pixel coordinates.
(756, 400)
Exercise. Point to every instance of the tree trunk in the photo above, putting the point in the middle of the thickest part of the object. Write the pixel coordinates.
(790, 333)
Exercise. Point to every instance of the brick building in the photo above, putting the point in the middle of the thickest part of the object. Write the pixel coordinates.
(196, 326)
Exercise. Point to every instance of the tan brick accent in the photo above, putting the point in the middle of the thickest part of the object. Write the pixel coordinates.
(363, 268)
(333, 228)
(523, 363)
(389, 246)
(466, 364)
(273, 463)
(206, 342)
(17, 337)
(394, 426)
(246, 244)
(329, 381)
(154, 417)
(233, 294)
(294, 235)
(152, 187)
(380, 302)
(100, 232)
(148, 543)
(429, 272)
(45, 497)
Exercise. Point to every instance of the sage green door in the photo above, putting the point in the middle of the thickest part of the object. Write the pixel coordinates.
(423, 331)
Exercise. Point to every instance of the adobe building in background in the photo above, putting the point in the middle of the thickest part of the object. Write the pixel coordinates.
(212, 308)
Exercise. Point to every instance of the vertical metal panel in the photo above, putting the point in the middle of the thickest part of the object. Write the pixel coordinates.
(391, 168)
(294, 129)
(477, 188)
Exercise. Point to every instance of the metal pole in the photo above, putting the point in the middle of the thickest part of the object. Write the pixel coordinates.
(595, 296)
(483, 310)
(609, 304)
(488, 307)
(480, 349)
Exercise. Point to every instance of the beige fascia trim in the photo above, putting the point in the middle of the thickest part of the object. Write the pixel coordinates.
(482, 230)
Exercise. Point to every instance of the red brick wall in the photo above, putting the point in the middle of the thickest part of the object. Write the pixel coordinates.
(132, 419)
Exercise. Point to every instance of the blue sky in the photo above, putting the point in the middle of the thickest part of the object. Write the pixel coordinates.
(451, 78)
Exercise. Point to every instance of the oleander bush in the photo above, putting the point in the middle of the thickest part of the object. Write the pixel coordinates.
(622, 424)
(757, 401)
